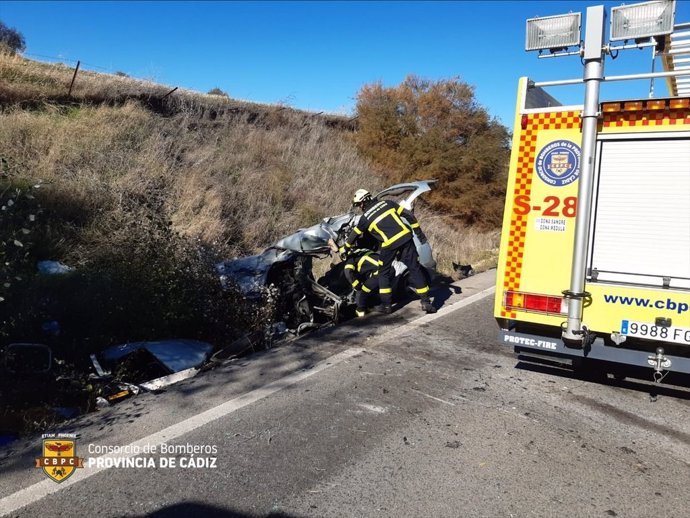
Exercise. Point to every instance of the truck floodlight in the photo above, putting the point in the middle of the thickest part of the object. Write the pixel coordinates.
(553, 32)
(639, 21)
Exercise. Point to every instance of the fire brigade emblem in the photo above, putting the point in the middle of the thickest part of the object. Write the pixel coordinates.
(59, 459)
(558, 163)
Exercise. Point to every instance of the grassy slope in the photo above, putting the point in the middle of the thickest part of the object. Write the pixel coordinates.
(129, 173)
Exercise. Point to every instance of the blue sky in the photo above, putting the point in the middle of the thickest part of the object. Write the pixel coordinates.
(316, 55)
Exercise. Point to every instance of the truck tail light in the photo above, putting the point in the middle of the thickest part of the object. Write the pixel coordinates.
(657, 104)
(675, 104)
(633, 106)
(611, 107)
(535, 302)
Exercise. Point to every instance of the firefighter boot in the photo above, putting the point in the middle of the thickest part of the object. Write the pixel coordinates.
(427, 306)
(386, 309)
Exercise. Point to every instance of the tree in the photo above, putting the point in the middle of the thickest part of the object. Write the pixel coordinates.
(425, 129)
(11, 39)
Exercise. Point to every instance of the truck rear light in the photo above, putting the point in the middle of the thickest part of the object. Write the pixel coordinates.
(523, 122)
(657, 104)
(675, 104)
(549, 304)
(633, 106)
(611, 107)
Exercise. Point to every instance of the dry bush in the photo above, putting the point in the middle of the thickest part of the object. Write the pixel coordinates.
(436, 129)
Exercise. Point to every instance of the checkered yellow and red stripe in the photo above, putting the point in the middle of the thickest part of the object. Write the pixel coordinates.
(523, 186)
(646, 118)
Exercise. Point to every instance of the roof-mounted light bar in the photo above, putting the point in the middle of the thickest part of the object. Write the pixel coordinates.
(553, 32)
(645, 20)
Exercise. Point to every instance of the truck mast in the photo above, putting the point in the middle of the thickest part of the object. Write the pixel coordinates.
(572, 281)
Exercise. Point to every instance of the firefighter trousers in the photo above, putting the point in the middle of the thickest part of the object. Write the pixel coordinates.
(367, 288)
(407, 254)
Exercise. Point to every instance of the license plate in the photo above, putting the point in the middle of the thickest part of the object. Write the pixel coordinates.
(678, 335)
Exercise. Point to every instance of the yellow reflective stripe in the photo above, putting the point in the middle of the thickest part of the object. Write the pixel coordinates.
(380, 263)
(368, 259)
(395, 237)
(386, 290)
(400, 209)
(358, 231)
(415, 225)
(360, 313)
(349, 266)
(422, 290)
(389, 240)
(355, 283)
(376, 272)
(371, 260)
(365, 289)
(348, 245)
(389, 212)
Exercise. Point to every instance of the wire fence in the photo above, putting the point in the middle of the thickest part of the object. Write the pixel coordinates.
(55, 60)
(79, 65)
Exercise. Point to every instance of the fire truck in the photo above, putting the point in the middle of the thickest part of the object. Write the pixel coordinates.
(594, 263)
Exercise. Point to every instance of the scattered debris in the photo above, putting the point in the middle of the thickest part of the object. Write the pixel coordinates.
(53, 268)
(170, 379)
(462, 271)
(147, 365)
(174, 355)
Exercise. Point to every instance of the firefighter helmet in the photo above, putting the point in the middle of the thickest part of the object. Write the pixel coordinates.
(361, 196)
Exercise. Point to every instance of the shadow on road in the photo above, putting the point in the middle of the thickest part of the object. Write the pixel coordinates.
(442, 290)
(674, 385)
(187, 509)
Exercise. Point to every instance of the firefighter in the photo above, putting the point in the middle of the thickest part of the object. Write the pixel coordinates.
(361, 271)
(382, 221)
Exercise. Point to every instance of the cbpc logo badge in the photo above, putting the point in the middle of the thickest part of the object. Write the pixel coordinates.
(59, 459)
(558, 163)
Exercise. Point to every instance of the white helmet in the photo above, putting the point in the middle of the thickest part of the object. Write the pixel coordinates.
(361, 196)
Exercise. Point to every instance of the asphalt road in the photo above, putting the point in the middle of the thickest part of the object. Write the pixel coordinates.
(389, 416)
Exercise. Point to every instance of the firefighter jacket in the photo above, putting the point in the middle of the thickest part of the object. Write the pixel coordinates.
(361, 267)
(388, 223)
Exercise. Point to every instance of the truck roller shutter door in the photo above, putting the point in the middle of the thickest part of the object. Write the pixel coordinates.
(641, 227)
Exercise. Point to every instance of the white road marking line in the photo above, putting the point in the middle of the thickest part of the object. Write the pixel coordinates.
(40, 490)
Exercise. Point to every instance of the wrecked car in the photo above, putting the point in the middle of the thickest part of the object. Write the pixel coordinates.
(126, 368)
(285, 269)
